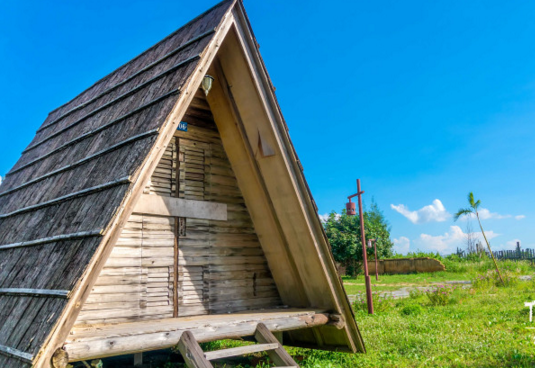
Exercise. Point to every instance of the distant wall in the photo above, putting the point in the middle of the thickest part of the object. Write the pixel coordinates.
(406, 265)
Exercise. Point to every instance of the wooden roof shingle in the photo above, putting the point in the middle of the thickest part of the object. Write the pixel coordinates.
(59, 200)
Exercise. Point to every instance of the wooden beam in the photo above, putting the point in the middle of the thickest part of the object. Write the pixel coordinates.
(36, 292)
(279, 355)
(192, 352)
(93, 132)
(133, 76)
(81, 193)
(121, 97)
(252, 185)
(60, 359)
(152, 204)
(84, 160)
(15, 353)
(52, 239)
(101, 341)
(239, 351)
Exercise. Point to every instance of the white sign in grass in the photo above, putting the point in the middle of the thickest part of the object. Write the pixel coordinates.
(530, 305)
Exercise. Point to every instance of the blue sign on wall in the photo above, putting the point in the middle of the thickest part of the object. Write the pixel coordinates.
(183, 126)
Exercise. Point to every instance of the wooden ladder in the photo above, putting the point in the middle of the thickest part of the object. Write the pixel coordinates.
(196, 358)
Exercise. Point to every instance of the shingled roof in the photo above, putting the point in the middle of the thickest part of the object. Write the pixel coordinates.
(63, 204)
(61, 200)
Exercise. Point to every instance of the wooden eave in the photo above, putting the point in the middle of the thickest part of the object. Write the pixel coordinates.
(275, 131)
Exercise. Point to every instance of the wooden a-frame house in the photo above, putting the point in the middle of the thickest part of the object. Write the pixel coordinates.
(146, 213)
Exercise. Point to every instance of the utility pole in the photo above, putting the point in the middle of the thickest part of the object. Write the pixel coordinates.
(350, 207)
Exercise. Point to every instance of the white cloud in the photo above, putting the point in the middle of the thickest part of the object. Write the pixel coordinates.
(435, 212)
(325, 217)
(1, 179)
(511, 244)
(485, 214)
(402, 245)
(449, 242)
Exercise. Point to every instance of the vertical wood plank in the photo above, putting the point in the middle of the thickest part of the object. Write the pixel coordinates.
(192, 352)
(175, 270)
(279, 356)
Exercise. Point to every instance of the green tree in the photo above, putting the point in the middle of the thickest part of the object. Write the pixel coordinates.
(473, 210)
(344, 236)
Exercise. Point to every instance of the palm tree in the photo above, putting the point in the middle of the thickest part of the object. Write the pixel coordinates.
(472, 210)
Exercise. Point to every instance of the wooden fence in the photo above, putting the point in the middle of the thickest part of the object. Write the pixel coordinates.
(528, 254)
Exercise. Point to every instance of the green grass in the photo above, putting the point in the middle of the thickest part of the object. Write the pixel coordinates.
(483, 328)
(479, 327)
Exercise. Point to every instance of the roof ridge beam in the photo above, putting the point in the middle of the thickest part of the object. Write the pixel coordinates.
(53, 239)
(93, 132)
(81, 193)
(15, 353)
(82, 161)
(64, 294)
(139, 72)
(121, 97)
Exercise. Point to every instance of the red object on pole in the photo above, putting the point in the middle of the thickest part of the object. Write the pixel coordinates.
(365, 256)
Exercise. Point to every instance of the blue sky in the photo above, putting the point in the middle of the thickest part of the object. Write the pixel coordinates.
(422, 100)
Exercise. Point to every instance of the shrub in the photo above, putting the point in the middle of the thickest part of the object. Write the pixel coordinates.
(440, 295)
(491, 278)
(415, 293)
(413, 309)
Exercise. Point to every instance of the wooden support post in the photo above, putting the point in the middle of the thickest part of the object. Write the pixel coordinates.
(279, 356)
(192, 352)
(60, 359)
(138, 359)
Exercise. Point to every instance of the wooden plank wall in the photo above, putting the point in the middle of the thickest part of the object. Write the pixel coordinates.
(225, 255)
(137, 280)
(222, 267)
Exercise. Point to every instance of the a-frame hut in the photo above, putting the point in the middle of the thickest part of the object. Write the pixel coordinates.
(145, 213)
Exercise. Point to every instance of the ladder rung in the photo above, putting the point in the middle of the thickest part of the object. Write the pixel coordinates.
(242, 350)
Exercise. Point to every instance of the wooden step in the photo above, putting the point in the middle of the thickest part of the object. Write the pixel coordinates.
(195, 358)
(242, 350)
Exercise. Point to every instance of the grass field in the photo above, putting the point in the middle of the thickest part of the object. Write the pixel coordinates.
(481, 326)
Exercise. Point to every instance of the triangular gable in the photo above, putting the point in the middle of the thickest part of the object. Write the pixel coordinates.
(65, 202)
(215, 256)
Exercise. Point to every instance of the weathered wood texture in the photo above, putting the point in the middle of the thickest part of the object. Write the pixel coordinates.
(100, 136)
(137, 280)
(279, 356)
(88, 342)
(191, 352)
(221, 265)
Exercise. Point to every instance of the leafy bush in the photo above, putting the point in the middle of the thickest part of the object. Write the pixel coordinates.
(440, 295)
(412, 310)
(415, 293)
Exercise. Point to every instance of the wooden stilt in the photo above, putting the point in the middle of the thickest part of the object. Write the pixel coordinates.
(279, 356)
(138, 359)
(192, 352)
